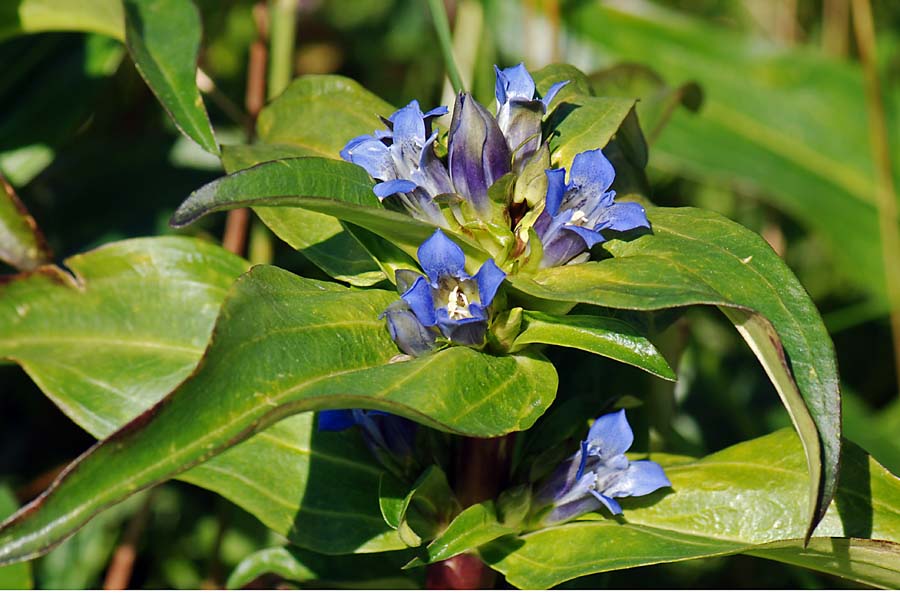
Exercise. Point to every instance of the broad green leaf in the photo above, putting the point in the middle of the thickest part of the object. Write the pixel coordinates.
(474, 527)
(321, 238)
(33, 16)
(757, 129)
(868, 561)
(21, 243)
(121, 331)
(285, 345)
(579, 85)
(321, 113)
(334, 188)
(606, 336)
(582, 123)
(145, 345)
(318, 115)
(372, 571)
(745, 496)
(431, 491)
(16, 576)
(699, 257)
(163, 37)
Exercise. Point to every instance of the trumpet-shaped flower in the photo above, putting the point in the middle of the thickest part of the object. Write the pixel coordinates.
(402, 158)
(576, 213)
(599, 473)
(520, 112)
(446, 297)
(390, 438)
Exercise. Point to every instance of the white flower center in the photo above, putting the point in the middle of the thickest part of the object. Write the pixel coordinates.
(578, 218)
(458, 304)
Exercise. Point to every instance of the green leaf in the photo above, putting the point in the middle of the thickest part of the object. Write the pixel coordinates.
(335, 188)
(163, 37)
(796, 157)
(584, 123)
(474, 527)
(699, 257)
(280, 475)
(372, 571)
(16, 576)
(431, 492)
(579, 84)
(745, 496)
(609, 337)
(321, 113)
(34, 16)
(125, 303)
(321, 238)
(285, 345)
(318, 115)
(21, 243)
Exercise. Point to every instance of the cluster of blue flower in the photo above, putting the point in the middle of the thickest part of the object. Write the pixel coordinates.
(447, 302)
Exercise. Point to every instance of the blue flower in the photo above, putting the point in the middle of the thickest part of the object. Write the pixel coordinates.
(448, 298)
(519, 111)
(403, 158)
(390, 438)
(478, 154)
(576, 213)
(600, 472)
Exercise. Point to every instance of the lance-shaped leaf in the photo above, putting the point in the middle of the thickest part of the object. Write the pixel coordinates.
(606, 336)
(22, 244)
(473, 527)
(16, 576)
(283, 345)
(335, 188)
(745, 499)
(584, 123)
(163, 37)
(699, 257)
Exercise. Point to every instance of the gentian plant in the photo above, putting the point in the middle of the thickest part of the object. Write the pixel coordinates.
(450, 390)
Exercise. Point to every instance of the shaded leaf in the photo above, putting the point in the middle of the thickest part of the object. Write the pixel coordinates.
(584, 123)
(163, 37)
(22, 245)
(16, 576)
(475, 526)
(698, 257)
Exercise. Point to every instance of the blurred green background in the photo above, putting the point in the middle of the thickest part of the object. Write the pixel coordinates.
(756, 109)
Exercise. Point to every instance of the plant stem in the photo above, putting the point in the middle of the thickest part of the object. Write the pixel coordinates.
(442, 27)
(468, 31)
(885, 192)
(282, 33)
(482, 469)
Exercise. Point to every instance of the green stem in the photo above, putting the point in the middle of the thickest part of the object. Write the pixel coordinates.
(442, 27)
(885, 192)
(282, 32)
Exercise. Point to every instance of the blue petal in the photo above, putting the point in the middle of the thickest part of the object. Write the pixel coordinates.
(439, 256)
(556, 188)
(489, 279)
(436, 112)
(386, 189)
(592, 172)
(500, 86)
(583, 461)
(517, 83)
(622, 217)
(589, 237)
(551, 93)
(610, 503)
(421, 302)
(335, 420)
(371, 154)
(610, 435)
(408, 123)
(640, 478)
(467, 331)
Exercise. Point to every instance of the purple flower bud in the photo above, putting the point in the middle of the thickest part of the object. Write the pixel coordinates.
(478, 152)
